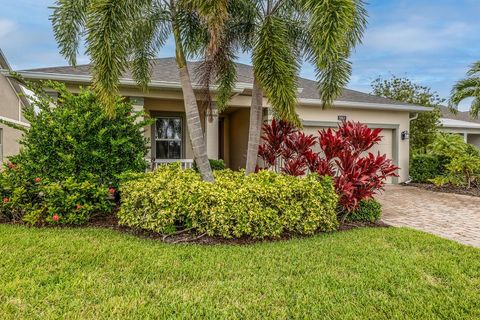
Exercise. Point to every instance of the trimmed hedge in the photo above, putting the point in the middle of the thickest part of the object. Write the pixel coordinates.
(259, 205)
(368, 211)
(424, 167)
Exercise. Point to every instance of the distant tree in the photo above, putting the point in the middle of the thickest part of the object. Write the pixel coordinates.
(423, 129)
(468, 88)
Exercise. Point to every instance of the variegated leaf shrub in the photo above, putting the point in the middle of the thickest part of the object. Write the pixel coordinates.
(260, 205)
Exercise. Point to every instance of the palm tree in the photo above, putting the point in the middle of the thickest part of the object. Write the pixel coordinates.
(280, 34)
(468, 88)
(122, 34)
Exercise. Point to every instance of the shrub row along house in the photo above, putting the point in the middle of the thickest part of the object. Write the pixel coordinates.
(227, 132)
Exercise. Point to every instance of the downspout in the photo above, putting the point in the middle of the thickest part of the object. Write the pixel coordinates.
(410, 120)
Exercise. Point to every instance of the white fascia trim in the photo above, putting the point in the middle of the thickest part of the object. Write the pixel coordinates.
(32, 75)
(366, 105)
(240, 87)
(458, 126)
(20, 123)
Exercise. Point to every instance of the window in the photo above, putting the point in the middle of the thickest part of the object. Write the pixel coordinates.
(168, 137)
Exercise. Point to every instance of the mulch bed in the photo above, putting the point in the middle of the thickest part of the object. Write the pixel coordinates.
(446, 189)
(187, 236)
(191, 237)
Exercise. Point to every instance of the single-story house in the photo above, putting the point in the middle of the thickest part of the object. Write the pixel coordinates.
(461, 123)
(227, 132)
(12, 101)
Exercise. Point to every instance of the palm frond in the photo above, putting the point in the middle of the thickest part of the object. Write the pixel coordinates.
(148, 35)
(219, 67)
(475, 108)
(474, 69)
(108, 25)
(68, 21)
(463, 89)
(335, 26)
(276, 68)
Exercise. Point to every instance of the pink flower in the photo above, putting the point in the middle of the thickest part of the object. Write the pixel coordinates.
(10, 165)
(37, 180)
(112, 190)
(56, 217)
(79, 206)
(6, 200)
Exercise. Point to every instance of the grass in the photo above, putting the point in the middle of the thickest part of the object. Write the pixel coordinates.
(359, 274)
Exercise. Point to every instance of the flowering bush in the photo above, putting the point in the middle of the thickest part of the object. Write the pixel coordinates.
(39, 201)
(71, 154)
(344, 155)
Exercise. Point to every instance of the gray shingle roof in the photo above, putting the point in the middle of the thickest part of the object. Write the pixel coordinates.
(165, 69)
(461, 115)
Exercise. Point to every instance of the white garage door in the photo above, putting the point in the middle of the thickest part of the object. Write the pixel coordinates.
(384, 147)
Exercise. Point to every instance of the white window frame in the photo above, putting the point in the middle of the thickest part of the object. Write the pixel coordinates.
(182, 134)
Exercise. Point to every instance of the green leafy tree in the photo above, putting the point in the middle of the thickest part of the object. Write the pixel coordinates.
(74, 137)
(127, 34)
(468, 88)
(280, 34)
(424, 128)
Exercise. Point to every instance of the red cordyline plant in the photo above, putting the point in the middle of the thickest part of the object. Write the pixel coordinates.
(344, 155)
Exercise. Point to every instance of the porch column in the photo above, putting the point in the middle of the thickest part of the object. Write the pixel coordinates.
(211, 134)
(465, 137)
(138, 106)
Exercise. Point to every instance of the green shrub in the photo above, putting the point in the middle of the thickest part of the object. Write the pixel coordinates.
(77, 138)
(258, 205)
(451, 145)
(463, 171)
(214, 163)
(368, 211)
(39, 201)
(424, 167)
(70, 156)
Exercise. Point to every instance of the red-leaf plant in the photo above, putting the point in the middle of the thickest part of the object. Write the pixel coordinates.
(344, 155)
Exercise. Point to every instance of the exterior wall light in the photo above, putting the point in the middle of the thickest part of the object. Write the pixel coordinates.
(405, 135)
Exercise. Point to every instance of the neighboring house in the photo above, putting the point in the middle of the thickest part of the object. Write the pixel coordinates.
(11, 104)
(227, 132)
(461, 123)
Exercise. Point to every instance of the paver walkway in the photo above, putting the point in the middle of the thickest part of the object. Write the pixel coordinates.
(452, 216)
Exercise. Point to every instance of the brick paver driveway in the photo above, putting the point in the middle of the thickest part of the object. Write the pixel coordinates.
(452, 216)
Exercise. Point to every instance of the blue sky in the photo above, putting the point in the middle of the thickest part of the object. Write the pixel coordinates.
(431, 42)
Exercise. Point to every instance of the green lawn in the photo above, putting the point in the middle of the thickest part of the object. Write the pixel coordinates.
(359, 274)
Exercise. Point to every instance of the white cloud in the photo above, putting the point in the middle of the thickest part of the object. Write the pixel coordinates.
(416, 36)
(6, 27)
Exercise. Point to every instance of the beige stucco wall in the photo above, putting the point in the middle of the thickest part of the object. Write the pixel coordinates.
(9, 108)
(10, 145)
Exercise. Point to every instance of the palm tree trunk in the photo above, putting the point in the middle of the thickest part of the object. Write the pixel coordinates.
(255, 127)
(191, 110)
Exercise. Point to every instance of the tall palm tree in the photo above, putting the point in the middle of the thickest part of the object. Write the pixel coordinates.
(123, 34)
(280, 34)
(468, 88)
